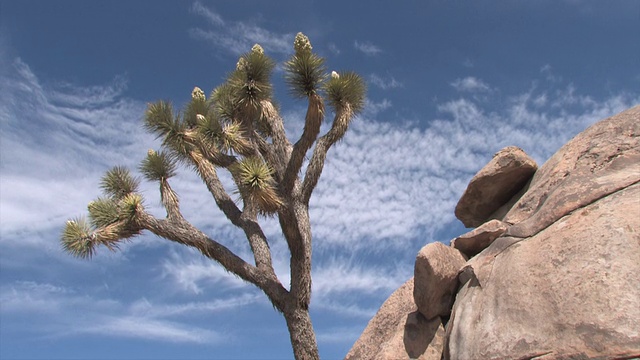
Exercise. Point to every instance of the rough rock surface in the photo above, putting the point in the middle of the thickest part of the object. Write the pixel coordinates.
(599, 161)
(436, 279)
(478, 239)
(570, 290)
(415, 338)
(494, 185)
(563, 280)
(398, 331)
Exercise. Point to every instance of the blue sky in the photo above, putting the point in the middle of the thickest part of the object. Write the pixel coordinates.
(450, 84)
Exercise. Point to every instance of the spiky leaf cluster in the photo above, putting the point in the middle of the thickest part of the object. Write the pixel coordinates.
(305, 71)
(158, 166)
(118, 183)
(103, 212)
(159, 119)
(224, 104)
(197, 106)
(250, 82)
(256, 184)
(346, 88)
(112, 218)
(77, 239)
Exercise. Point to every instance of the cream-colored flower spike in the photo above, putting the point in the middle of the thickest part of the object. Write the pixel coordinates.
(335, 75)
(197, 93)
(257, 49)
(151, 152)
(302, 44)
(241, 64)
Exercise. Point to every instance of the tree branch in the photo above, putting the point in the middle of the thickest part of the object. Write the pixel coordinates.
(316, 164)
(294, 221)
(184, 233)
(170, 200)
(280, 141)
(209, 176)
(313, 121)
(247, 220)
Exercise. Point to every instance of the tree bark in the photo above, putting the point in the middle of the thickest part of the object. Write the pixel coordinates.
(303, 338)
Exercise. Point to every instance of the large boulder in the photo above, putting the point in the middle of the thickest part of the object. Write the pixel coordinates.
(494, 185)
(436, 279)
(399, 332)
(562, 282)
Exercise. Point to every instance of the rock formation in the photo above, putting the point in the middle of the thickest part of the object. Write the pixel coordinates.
(398, 332)
(554, 271)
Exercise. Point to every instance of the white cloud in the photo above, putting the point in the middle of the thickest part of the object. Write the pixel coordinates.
(237, 37)
(57, 307)
(385, 83)
(334, 49)
(149, 329)
(56, 143)
(367, 48)
(387, 184)
(191, 271)
(354, 277)
(470, 84)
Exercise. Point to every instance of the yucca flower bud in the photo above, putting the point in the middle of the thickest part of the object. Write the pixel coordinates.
(241, 64)
(151, 152)
(335, 75)
(302, 44)
(198, 94)
(257, 49)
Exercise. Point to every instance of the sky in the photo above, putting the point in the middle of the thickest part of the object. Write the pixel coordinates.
(449, 84)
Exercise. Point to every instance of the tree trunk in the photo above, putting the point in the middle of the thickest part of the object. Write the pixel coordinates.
(303, 338)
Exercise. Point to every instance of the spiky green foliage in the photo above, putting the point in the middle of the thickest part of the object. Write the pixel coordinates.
(209, 127)
(224, 105)
(118, 183)
(158, 166)
(346, 88)
(197, 106)
(256, 184)
(103, 212)
(233, 139)
(76, 238)
(159, 119)
(129, 206)
(251, 79)
(305, 71)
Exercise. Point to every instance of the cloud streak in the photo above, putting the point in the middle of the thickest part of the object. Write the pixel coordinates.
(237, 37)
(470, 84)
(367, 47)
(385, 83)
(107, 317)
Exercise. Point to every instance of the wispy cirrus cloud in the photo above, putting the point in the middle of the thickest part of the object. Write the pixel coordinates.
(56, 142)
(109, 317)
(334, 49)
(385, 83)
(367, 47)
(237, 37)
(470, 84)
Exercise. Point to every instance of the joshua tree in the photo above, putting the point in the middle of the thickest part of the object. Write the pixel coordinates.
(237, 129)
